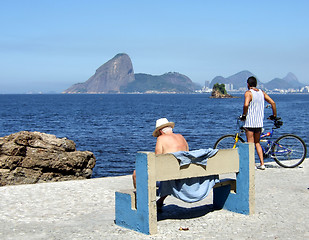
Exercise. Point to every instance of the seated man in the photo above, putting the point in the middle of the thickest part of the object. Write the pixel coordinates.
(167, 142)
(190, 189)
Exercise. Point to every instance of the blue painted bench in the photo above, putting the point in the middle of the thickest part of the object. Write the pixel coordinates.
(136, 209)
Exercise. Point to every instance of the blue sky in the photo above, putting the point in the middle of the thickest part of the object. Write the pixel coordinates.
(48, 45)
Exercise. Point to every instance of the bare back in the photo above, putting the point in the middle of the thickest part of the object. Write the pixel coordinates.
(168, 143)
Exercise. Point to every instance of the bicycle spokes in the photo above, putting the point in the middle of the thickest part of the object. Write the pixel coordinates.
(289, 150)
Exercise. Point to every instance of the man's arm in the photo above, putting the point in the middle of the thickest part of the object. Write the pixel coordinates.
(248, 99)
(272, 103)
(187, 145)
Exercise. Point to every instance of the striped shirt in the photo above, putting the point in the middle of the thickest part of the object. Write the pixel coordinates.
(255, 115)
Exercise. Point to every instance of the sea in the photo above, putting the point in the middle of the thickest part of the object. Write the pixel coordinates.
(116, 126)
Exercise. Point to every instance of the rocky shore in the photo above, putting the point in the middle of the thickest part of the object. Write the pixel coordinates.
(84, 209)
(34, 157)
(217, 94)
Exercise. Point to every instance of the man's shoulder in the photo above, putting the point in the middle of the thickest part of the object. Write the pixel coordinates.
(171, 135)
(179, 135)
(248, 93)
(162, 137)
(166, 135)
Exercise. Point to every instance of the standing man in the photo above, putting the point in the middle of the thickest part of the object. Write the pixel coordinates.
(253, 115)
(167, 142)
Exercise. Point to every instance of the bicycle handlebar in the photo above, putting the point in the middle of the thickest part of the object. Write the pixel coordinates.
(272, 117)
(277, 120)
(278, 123)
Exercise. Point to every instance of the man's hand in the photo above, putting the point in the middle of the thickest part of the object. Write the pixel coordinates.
(242, 117)
(275, 118)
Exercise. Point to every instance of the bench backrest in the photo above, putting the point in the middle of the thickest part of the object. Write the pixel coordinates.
(167, 166)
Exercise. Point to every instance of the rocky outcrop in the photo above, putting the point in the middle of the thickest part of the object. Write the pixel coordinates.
(108, 78)
(34, 157)
(218, 94)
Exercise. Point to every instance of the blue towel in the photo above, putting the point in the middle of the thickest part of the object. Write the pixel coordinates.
(190, 189)
(196, 156)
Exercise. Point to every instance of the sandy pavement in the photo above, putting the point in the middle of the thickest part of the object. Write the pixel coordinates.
(85, 210)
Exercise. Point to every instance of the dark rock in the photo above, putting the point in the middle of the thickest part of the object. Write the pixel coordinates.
(33, 157)
(218, 94)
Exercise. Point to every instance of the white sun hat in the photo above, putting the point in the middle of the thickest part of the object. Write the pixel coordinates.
(162, 123)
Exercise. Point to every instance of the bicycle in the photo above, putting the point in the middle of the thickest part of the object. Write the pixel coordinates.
(288, 150)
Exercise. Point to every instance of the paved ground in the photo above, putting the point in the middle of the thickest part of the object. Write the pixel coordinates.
(85, 210)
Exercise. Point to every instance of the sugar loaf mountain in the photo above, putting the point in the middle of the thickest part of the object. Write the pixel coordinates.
(117, 76)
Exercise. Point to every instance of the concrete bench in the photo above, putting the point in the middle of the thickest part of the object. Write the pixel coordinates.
(136, 209)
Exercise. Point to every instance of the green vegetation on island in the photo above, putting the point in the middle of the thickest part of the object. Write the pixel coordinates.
(219, 91)
(220, 88)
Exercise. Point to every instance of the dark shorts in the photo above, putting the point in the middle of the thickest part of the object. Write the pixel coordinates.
(255, 130)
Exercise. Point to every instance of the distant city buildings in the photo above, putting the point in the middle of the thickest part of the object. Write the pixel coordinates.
(305, 89)
(206, 88)
(229, 87)
(290, 90)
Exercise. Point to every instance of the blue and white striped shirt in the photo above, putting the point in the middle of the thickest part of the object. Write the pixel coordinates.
(255, 115)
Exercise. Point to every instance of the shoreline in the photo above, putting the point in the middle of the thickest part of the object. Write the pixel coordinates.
(151, 93)
(84, 209)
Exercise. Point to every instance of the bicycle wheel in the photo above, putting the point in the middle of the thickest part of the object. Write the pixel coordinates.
(289, 150)
(226, 141)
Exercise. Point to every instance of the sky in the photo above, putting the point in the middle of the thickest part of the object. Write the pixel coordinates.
(48, 45)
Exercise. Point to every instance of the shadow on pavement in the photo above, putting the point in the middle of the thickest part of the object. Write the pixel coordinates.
(176, 212)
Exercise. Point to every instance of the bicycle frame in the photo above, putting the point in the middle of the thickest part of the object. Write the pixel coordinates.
(236, 140)
(267, 149)
(240, 130)
(270, 144)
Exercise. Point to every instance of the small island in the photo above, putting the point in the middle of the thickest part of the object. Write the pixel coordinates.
(219, 91)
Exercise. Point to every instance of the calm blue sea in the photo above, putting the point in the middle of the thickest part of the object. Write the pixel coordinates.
(115, 127)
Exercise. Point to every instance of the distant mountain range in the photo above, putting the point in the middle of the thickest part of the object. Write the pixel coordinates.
(289, 81)
(239, 80)
(168, 82)
(117, 76)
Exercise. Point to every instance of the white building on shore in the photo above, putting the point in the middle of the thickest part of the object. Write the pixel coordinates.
(305, 89)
